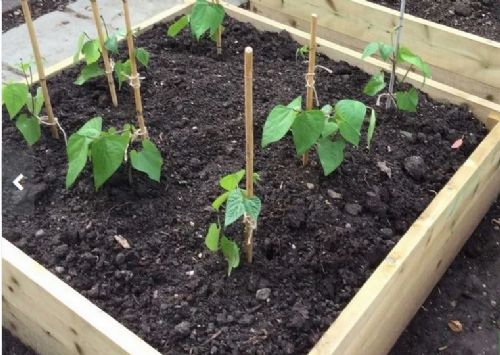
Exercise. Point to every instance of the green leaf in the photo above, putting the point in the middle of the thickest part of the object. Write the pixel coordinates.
(385, 51)
(37, 100)
(296, 104)
(350, 115)
(306, 129)
(212, 237)
(231, 253)
(329, 129)
(142, 56)
(278, 123)
(92, 128)
(88, 72)
(375, 85)
(79, 46)
(111, 44)
(331, 154)
(29, 127)
(14, 97)
(220, 200)
(77, 151)
(107, 154)
(371, 127)
(231, 181)
(148, 160)
(407, 100)
(407, 56)
(91, 51)
(370, 50)
(122, 71)
(178, 26)
(206, 17)
(252, 207)
(235, 208)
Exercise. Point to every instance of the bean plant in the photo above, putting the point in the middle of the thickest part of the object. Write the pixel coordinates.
(328, 128)
(236, 205)
(91, 51)
(205, 17)
(108, 150)
(24, 107)
(302, 52)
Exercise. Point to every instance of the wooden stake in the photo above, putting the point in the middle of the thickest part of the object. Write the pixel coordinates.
(219, 36)
(135, 82)
(311, 74)
(104, 51)
(248, 79)
(39, 67)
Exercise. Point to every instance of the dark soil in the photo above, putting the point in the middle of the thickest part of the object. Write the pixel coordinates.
(14, 18)
(468, 293)
(310, 251)
(12, 346)
(480, 17)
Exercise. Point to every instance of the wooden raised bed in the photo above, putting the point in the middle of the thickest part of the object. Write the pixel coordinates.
(52, 318)
(459, 59)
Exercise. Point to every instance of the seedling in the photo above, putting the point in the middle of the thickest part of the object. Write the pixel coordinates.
(393, 53)
(302, 52)
(108, 150)
(23, 107)
(205, 17)
(328, 129)
(236, 205)
(91, 51)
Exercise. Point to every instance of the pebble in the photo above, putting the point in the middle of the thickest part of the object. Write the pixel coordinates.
(120, 258)
(39, 233)
(310, 186)
(61, 250)
(334, 195)
(415, 166)
(263, 294)
(59, 269)
(353, 208)
(183, 328)
(462, 9)
(387, 232)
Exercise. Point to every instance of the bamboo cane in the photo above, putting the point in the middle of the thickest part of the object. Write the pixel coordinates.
(39, 67)
(219, 36)
(392, 80)
(248, 79)
(134, 77)
(311, 74)
(104, 51)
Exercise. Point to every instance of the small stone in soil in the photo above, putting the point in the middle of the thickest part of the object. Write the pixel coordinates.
(39, 233)
(310, 186)
(59, 269)
(387, 232)
(353, 208)
(263, 294)
(415, 166)
(183, 328)
(462, 9)
(334, 195)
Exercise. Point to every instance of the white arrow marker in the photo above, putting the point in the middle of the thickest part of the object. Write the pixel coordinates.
(17, 182)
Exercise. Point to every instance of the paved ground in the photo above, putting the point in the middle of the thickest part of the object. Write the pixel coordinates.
(58, 31)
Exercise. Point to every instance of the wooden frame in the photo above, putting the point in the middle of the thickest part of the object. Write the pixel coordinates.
(52, 318)
(459, 59)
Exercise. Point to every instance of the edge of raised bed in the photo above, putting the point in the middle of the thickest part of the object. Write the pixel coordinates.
(457, 58)
(51, 317)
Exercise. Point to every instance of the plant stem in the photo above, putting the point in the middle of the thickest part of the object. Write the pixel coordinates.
(311, 74)
(248, 79)
(134, 77)
(395, 53)
(104, 51)
(406, 74)
(219, 36)
(40, 69)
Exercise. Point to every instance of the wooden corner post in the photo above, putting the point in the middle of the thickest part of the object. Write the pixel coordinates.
(135, 81)
(105, 57)
(310, 76)
(248, 79)
(39, 67)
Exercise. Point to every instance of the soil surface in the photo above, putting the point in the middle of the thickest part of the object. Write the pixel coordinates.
(13, 346)
(480, 17)
(313, 249)
(13, 18)
(468, 293)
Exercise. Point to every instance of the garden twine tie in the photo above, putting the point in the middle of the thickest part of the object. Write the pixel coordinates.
(44, 120)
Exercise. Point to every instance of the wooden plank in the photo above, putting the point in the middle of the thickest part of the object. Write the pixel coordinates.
(438, 91)
(52, 318)
(459, 59)
(383, 307)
